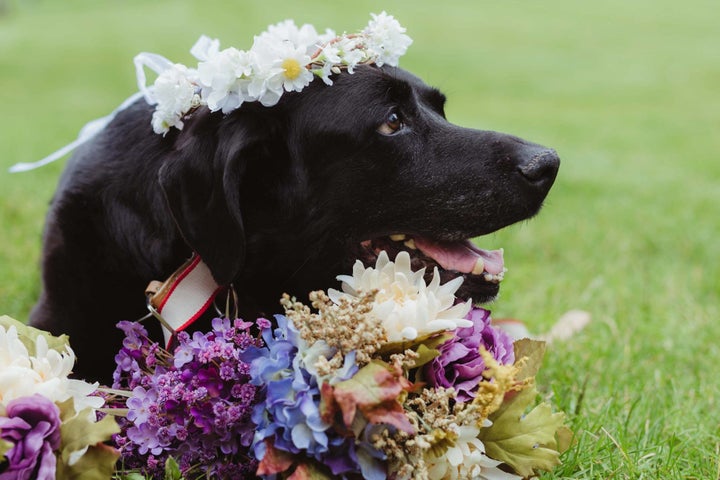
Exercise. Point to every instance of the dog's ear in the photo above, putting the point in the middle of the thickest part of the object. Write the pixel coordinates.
(201, 182)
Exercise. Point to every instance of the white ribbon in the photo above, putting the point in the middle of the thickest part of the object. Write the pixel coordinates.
(154, 62)
(205, 48)
(86, 133)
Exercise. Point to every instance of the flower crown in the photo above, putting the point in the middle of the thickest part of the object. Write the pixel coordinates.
(284, 58)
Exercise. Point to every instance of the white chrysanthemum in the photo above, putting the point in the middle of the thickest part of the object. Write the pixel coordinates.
(387, 39)
(224, 78)
(45, 373)
(407, 307)
(174, 92)
(466, 459)
(305, 37)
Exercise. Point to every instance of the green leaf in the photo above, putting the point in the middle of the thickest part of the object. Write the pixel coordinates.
(28, 335)
(132, 476)
(528, 442)
(98, 463)
(172, 470)
(78, 431)
(432, 340)
(533, 351)
(425, 355)
(374, 390)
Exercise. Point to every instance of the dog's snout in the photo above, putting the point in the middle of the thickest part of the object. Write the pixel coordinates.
(541, 168)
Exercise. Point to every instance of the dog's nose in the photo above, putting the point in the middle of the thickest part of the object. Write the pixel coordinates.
(542, 168)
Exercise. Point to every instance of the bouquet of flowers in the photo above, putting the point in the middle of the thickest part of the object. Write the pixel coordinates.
(49, 425)
(191, 409)
(390, 378)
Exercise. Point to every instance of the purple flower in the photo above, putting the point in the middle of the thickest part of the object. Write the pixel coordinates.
(32, 425)
(139, 404)
(193, 404)
(146, 438)
(459, 364)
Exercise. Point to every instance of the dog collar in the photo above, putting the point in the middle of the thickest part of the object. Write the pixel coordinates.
(181, 299)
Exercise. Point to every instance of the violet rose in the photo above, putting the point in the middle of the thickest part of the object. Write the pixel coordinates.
(32, 426)
(459, 364)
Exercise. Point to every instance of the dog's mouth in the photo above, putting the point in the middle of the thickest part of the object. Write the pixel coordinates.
(482, 270)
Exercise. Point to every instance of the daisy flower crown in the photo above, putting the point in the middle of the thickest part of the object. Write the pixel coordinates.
(285, 58)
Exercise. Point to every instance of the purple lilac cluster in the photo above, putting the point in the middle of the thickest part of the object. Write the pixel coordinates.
(460, 365)
(193, 405)
(289, 418)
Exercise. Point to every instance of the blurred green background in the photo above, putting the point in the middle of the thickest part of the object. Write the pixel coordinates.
(628, 92)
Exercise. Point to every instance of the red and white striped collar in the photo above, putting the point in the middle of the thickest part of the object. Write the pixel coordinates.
(179, 301)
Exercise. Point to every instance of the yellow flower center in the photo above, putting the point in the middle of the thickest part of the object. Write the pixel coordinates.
(292, 68)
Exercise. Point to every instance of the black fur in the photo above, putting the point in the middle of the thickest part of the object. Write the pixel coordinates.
(273, 199)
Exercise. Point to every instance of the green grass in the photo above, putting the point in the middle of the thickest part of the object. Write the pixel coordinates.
(627, 92)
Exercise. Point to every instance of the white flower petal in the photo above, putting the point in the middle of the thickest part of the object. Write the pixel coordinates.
(409, 333)
(45, 373)
(406, 306)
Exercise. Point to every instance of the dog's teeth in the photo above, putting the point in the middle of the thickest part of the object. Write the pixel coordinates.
(398, 237)
(411, 244)
(479, 267)
(494, 278)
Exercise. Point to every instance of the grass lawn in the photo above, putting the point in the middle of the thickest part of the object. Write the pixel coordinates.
(627, 92)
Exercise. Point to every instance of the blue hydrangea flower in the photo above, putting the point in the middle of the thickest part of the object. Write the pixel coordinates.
(290, 414)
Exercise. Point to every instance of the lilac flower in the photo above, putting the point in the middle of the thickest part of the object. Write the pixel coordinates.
(139, 404)
(194, 404)
(32, 426)
(145, 437)
(459, 364)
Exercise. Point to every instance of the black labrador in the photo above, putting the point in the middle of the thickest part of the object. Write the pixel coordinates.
(277, 200)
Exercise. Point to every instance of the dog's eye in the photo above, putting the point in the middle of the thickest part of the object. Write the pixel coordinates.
(393, 123)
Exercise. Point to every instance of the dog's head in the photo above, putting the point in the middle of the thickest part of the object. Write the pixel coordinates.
(286, 198)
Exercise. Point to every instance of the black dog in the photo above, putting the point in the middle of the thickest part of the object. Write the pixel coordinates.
(277, 200)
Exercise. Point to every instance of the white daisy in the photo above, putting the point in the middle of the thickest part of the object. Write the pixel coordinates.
(295, 74)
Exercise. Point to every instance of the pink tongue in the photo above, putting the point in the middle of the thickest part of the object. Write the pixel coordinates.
(461, 256)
